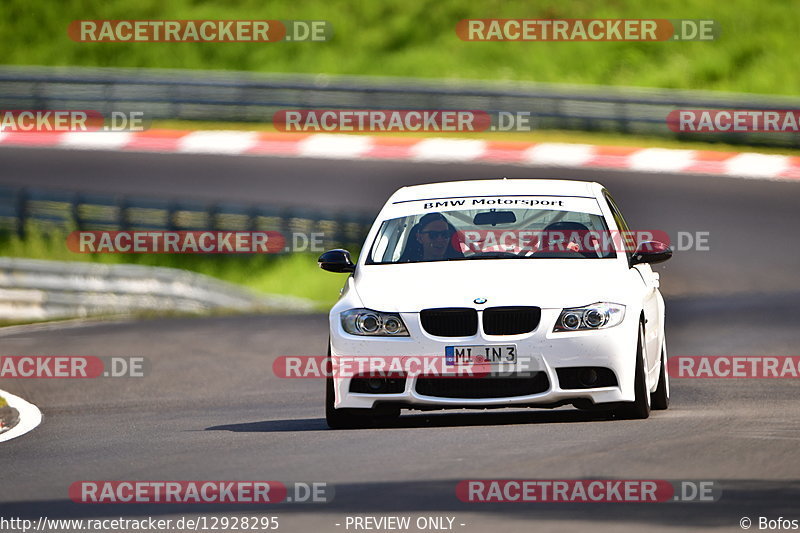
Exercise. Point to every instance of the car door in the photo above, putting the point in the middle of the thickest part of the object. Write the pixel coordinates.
(650, 283)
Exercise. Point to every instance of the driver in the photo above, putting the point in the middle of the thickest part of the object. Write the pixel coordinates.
(566, 237)
(431, 239)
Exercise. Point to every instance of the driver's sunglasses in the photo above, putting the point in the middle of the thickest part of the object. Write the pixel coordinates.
(432, 234)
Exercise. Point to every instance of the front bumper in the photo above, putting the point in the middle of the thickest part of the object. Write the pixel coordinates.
(539, 351)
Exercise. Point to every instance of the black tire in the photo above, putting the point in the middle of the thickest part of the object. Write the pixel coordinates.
(353, 418)
(659, 400)
(639, 408)
(342, 418)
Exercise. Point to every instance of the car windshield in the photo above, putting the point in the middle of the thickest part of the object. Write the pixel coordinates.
(495, 233)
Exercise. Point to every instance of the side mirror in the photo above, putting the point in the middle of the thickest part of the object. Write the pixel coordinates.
(651, 252)
(336, 261)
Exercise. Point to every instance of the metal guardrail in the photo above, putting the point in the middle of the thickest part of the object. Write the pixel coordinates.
(253, 97)
(43, 290)
(66, 210)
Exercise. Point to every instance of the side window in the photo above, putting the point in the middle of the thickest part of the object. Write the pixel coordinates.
(627, 236)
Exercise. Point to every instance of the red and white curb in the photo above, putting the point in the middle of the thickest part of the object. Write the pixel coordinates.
(749, 165)
(29, 416)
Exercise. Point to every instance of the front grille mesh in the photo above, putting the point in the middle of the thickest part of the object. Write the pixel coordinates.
(450, 321)
(511, 320)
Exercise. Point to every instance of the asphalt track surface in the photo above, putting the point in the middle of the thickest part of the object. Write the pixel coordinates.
(211, 408)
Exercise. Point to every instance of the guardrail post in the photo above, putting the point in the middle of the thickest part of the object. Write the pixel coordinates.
(37, 96)
(252, 219)
(622, 118)
(286, 225)
(339, 237)
(172, 214)
(213, 219)
(75, 212)
(107, 105)
(22, 211)
(123, 219)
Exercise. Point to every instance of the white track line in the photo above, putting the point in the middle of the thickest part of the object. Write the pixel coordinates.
(334, 146)
(95, 140)
(29, 416)
(446, 150)
(217, 142)
(559, 154)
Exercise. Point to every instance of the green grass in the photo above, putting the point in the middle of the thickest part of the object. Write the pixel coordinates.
(756, 52)
(291, 274)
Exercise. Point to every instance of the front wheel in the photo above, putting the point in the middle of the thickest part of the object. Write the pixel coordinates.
(353, 418)
(640, 407)
(342, 418)
(659, 400)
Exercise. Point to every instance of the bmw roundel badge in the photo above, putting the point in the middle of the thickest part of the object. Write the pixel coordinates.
(479, 300)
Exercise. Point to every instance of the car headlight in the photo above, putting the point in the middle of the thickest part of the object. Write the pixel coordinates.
(375, 323)
(596, 316)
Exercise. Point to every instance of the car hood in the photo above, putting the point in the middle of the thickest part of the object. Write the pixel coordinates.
(547, 283)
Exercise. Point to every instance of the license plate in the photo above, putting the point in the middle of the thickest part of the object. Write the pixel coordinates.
(469, 355)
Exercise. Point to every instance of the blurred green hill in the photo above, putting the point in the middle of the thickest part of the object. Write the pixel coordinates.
(756, 52)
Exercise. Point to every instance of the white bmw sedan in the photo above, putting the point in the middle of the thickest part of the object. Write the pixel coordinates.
(497, 293)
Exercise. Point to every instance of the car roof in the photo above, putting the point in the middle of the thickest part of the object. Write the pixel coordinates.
(504, 186)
